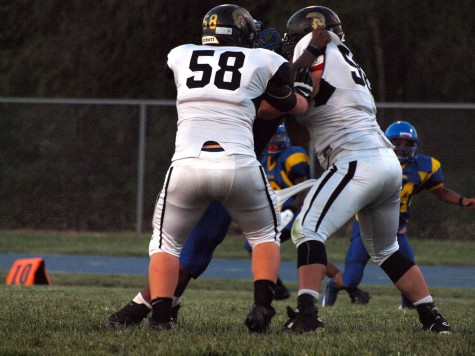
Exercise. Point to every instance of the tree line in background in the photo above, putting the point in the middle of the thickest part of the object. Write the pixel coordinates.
(117, 49)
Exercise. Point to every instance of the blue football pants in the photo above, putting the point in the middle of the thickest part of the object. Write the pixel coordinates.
(357, 258)
(206, 236)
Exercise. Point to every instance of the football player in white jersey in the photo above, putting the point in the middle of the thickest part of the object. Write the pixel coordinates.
(362, 174)
(218, 84)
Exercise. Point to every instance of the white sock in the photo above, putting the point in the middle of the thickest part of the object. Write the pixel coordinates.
(140, 300)
(424, 300)
(176, 301)
(312, 292)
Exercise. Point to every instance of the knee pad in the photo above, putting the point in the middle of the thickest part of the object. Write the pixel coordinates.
(396, 265)
(310, 252)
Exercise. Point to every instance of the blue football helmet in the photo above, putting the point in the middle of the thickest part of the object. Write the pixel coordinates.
(403, 130)
(279, 142)
(268, 38)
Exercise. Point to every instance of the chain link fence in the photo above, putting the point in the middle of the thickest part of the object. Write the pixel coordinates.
(98, 165)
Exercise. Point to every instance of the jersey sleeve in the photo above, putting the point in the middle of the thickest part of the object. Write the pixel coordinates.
(317, 64)
(436, 178)
(171, 65)
(297, 163)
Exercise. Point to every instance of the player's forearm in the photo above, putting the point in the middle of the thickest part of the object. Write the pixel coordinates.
(300, 106)
(449, 196)
(320, 38)
(269, 112)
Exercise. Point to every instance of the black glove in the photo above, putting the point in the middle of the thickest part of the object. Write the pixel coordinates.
(303, 83)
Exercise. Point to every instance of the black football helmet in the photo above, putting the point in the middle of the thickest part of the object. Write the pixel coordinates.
(229, 25)
(305, 21)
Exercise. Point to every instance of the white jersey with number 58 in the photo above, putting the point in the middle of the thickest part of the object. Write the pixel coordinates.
(216, 90)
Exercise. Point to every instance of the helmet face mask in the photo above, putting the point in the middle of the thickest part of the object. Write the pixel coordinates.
(229, 25)
(268, 38)
(305, 21)
(405, 139)
(279, 142)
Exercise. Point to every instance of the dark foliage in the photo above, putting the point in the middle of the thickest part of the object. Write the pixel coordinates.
(117, 49)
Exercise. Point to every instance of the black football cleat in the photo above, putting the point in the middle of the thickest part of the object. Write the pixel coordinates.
(131, 314)
(432, 320)
(358, 296)
(305, 318)
(259, 318)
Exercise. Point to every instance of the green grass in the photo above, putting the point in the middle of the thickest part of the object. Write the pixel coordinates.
(70, 316)
(65, 319)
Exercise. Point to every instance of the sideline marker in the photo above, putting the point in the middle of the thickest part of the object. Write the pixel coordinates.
(28, 271)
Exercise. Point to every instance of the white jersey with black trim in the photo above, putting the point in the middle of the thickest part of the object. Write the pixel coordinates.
(343, 114)
(215, 89)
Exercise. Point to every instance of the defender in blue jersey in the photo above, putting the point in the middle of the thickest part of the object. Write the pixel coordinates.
(419, 173)
(285, 166)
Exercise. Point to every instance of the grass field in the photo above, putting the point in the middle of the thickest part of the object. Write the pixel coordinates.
(70, 316)
(67, 319)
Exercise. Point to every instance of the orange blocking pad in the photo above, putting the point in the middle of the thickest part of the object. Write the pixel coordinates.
(28, 271)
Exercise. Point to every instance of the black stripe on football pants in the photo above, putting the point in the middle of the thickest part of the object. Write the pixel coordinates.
(322, 184)
(344, 182)
(346, 179)
(164, 205)
(271, 205)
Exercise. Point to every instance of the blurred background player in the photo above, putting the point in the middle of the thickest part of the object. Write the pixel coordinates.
(419, 173)
(285, 166)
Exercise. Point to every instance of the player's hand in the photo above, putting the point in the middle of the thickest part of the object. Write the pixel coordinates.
(303, 83)
(320, 37)
(468, 203)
